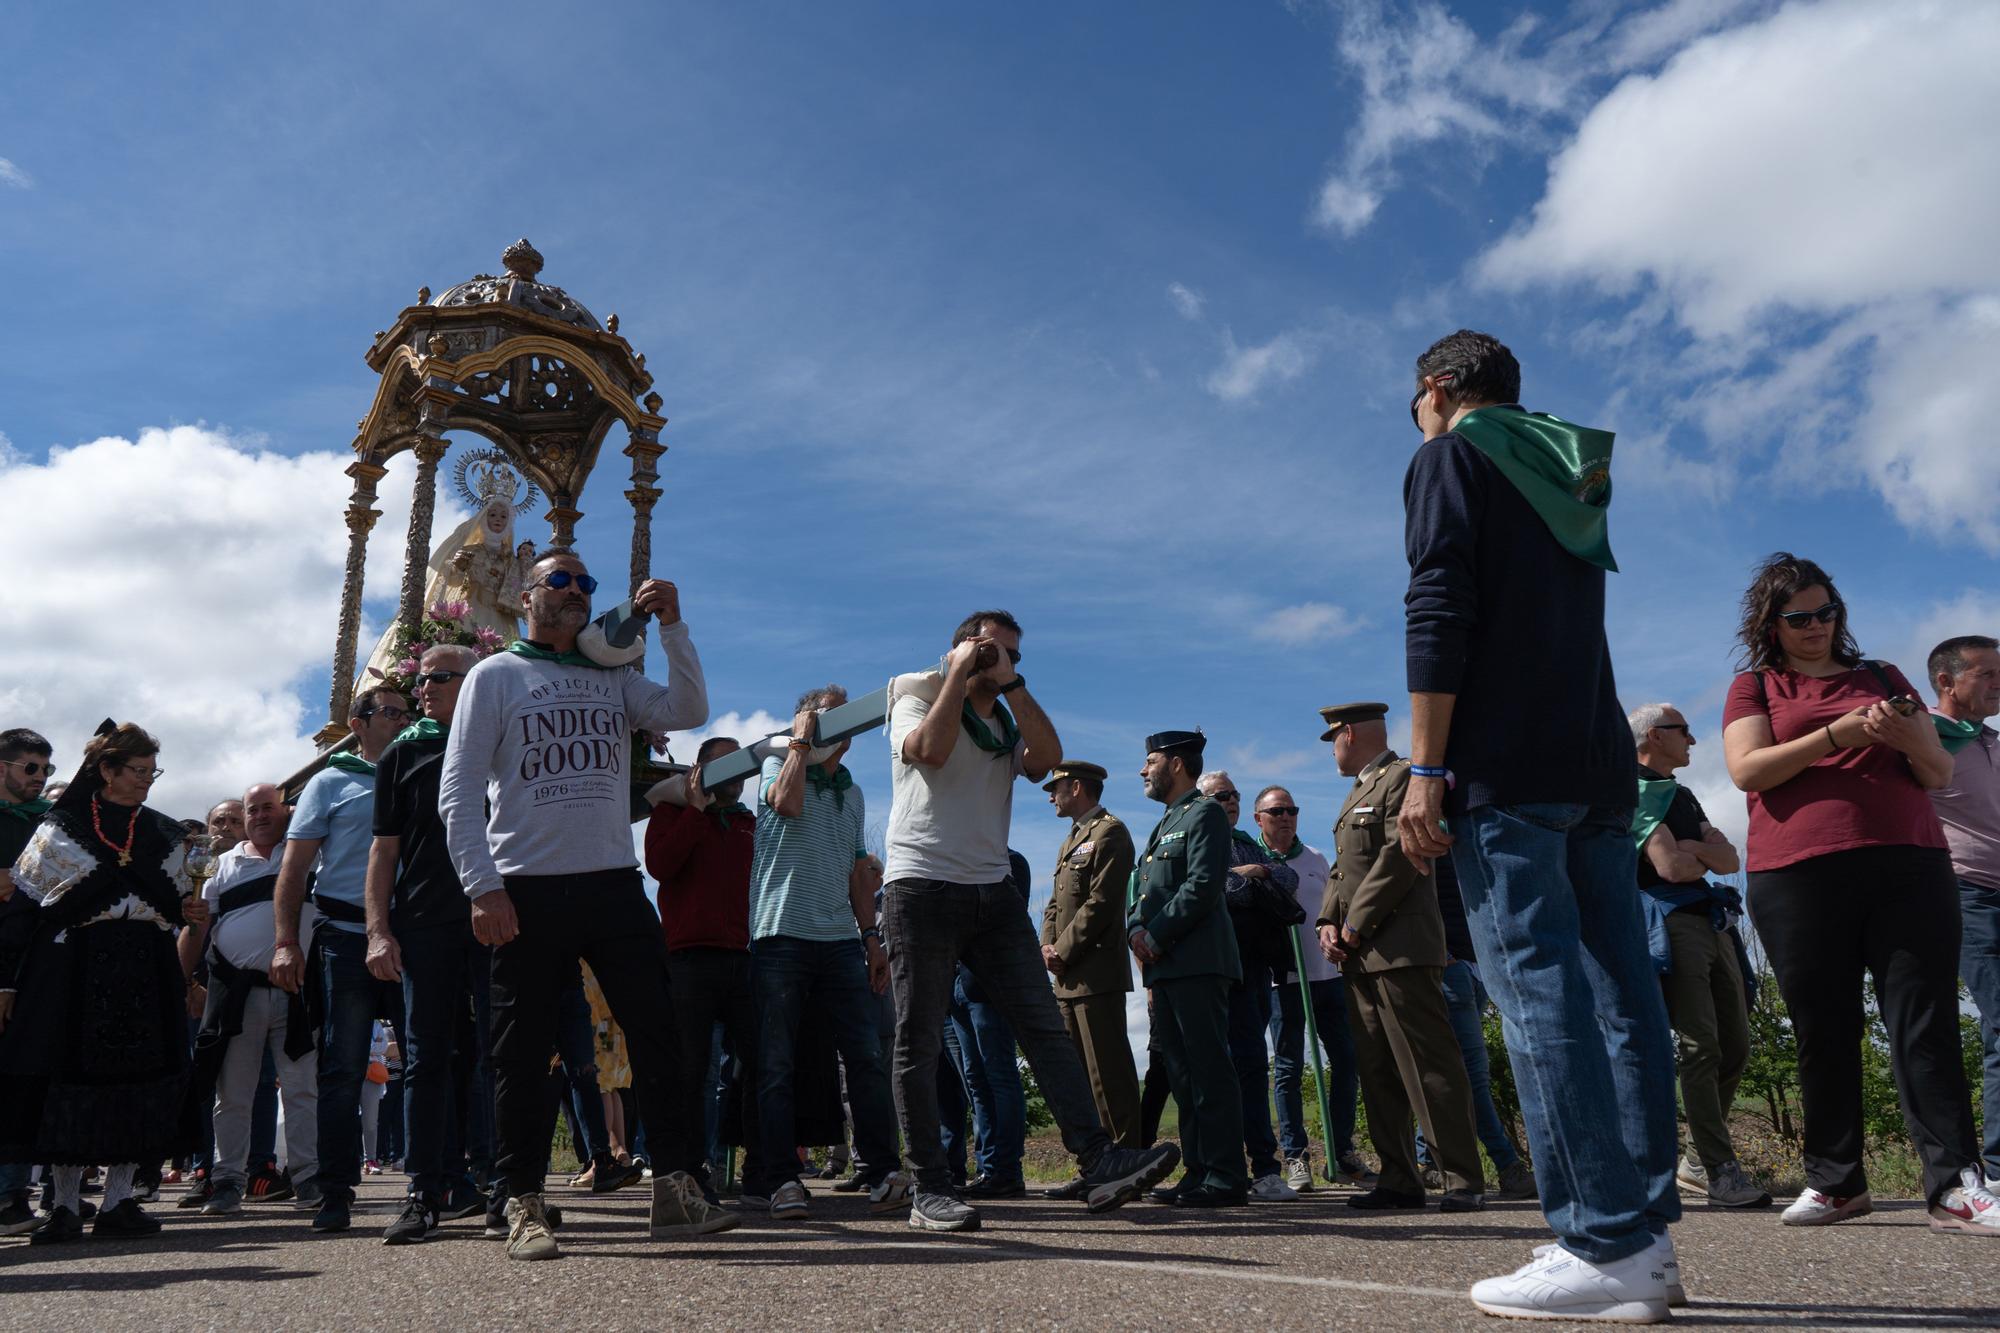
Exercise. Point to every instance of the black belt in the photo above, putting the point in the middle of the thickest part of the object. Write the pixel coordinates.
(338, 909)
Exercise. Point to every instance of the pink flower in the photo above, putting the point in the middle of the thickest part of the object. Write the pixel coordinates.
(488, 636)
(456, 610)
(407, 667)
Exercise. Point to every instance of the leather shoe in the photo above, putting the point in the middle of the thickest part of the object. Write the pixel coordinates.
(988, 1187)
(1074, 1189)
(1381, 1200)
(1208, 1196)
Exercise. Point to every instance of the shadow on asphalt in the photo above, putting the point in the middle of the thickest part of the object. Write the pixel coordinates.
(1747, 1314)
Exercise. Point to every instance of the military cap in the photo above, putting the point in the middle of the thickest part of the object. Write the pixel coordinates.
(1075, 768)
(1339, 715)
(1176, 740)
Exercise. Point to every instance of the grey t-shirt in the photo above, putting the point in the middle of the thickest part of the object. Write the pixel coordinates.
(949, 823)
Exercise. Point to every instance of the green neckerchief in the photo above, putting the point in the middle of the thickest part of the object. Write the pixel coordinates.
(724, 813)
(1655, 796)
(977, 728)
(351, 763)
(542, 653)
(30, 811)
(423, 729)
(1297, 848)
(1563, 470)
(1955, 734)
(838, 782)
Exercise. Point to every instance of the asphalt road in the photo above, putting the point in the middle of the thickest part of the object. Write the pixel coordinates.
(1035, 1264)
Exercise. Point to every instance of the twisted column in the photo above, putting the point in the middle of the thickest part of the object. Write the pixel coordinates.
(423, 506)
(361, 516)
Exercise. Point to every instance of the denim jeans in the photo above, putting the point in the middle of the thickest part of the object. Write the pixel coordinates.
(1557, 926)
(992, 1077)
(264, 1122)
(787, 975)
(1465, 997)
(954, 1106)
(1979, 964)
(930, 927)
(576, 1046)
(351, 997)
(439, 963)
(1343, 1080)
(1249, 1022)
(13, 1181)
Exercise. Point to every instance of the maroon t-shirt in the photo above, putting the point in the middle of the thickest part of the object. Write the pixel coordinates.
(1863, 796)
(704, 874)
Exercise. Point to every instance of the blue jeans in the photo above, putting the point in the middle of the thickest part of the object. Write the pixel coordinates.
(1465, 997)
(351, 997)
(1343, 1080)
(13, 1181)
(786, 975)
(1549, 900)
(992, 1077)
(1979, 964)
(954, 1105)
(439, 965)
(576, 1044)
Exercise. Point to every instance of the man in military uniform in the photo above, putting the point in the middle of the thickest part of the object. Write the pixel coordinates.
(1380, 921)
(1083, 945)
(1179, 931)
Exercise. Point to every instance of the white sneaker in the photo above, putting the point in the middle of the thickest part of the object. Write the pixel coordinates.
(1691, 1175)
(1272, 1189)
(890, 1193)
(1299, 1175)
(1560, 1285)
(1968, 1206)
(1663, 1249)
(788, 1202)
(1813, 1209)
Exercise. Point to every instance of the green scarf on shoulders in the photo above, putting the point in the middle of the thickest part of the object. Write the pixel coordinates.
(541, 654)
(724, 813)
(1954, 734)
(1656, 795)
(837, 782)
(982, 735)
(1297, 848)
(1563, 470)
(349, 762)
(30, 811)
(423, 729)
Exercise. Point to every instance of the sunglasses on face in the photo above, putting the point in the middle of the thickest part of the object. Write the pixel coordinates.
(1681, 727)
(562, 578)
(1225, 796)
(28, 767)
(390, 711)
(438, 677)
(1280, 810)
(1800, 619)
(1446, 378)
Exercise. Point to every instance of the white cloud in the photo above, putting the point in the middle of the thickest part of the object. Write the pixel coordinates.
(1187, 302)
(1308, 622)
(738, 726)
(1263, 767)
(1246, 371)
(14, 176)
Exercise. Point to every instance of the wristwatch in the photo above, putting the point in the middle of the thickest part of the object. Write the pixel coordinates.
(1014, 684)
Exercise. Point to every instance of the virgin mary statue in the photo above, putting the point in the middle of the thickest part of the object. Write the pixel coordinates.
(478, 563)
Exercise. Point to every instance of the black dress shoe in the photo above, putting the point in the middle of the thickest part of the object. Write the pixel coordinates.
(125, 1222)
(1208, 1196)
(1380, 1200)
(62, 1226)
(1074, 1189)
(988, 1187)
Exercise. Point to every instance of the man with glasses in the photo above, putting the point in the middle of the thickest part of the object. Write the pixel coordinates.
(420, 937)
(1265, 953)
(553, 875)
(25, 769)
(327, 846)
(1691, 933)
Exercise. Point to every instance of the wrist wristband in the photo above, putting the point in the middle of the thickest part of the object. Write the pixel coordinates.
(1433, 771)
(872, 933)
(798, 743)
(286, 944)
(1829, 737)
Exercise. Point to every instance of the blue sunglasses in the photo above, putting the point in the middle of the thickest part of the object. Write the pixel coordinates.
(562, 578)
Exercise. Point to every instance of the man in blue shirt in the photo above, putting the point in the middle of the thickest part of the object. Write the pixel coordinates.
(332, 829)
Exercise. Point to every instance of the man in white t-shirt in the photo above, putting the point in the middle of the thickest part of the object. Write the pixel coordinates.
(958, 738)
(246, 1015)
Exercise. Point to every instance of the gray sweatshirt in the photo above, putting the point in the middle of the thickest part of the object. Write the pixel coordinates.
(550, 748)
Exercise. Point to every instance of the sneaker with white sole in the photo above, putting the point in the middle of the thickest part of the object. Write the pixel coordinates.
(941, 1212)
(1729, 1187)
(1968, 1206)
(1560, 1285)
(1663, 1250)
(890, 1193)
(1299, 1175)
(1813, 1209)
(1691, 1176)
(1272, 1189)
(528, 1233)
(681, 1209)
(788, 1202)
(1120, 1175)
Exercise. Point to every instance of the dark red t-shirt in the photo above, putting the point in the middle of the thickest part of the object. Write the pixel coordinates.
(704, 875)
(1864, 796)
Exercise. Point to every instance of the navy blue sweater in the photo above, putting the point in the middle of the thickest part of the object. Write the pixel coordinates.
(1499, 614)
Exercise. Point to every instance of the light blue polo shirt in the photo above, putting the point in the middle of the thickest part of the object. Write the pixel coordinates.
(338, 807)
(798, 873)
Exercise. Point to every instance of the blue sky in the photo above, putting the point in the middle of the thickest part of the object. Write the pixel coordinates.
(1103, 314)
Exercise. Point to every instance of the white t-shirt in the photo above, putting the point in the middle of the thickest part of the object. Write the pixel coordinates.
(247, 937)
(949, 823)
(1312, 871)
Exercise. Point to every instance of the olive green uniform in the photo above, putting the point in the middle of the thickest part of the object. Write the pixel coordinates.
(1404, 1047)
(1085, 924)
(1178, 902)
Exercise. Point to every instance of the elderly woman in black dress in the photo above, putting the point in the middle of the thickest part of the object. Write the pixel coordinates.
(93, 1055)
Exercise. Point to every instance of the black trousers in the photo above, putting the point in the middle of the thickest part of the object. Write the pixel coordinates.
(1890, 914)
(604, 919)
(712, 986)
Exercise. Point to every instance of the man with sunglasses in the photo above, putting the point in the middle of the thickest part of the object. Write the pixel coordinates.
(327, 848)
(553, 875)
(25, 769)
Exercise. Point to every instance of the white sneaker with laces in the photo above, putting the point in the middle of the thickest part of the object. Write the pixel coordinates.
(1813, 1209)
(1560, 1285)
(891, 1193)
(1299, 1175)
(1663, 1249)
(1691, 1176)
(1968, 1206)
(1272, 1189)
(788, 1201)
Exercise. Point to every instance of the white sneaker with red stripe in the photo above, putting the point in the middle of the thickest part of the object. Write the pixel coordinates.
(1813, 1209)
(1967, 1206)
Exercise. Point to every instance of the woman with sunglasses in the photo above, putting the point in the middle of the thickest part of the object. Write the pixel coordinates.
(1850, 877)
(93, 1043)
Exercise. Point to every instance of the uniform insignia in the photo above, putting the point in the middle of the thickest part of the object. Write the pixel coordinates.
(1177, 833)
(1083, 850)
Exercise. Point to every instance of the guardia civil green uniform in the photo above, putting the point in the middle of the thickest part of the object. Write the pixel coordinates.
(1405, 1051)
(1085, 925)
(1178, 904)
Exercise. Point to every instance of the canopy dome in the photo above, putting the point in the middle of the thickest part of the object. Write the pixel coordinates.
(519, 289)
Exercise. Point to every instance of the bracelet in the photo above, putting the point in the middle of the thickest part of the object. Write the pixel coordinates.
(1434, 771)
(1829, 737)
(798, 743)
(286, 944)
(872, 933)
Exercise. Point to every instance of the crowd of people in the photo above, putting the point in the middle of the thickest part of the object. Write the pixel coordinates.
(459, 889)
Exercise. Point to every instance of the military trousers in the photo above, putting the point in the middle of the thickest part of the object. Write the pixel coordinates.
(1191, 1033)
(1096, 1024)
(1710, 1015)
(1409, 1060)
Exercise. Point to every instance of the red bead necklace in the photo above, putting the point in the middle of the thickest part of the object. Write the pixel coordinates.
(131, 833)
